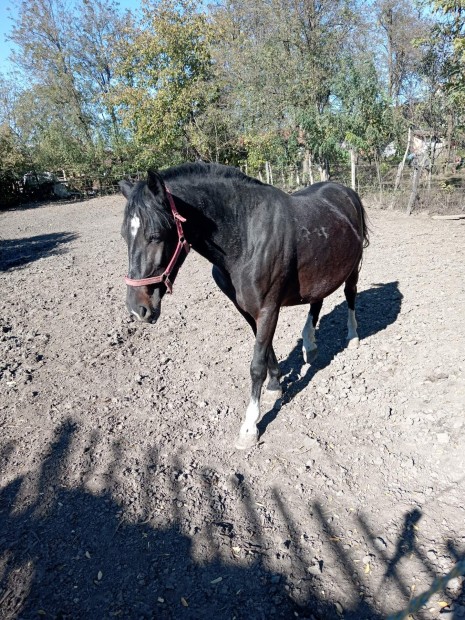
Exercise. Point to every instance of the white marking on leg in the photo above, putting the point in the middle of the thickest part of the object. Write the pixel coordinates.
(352, 335)
(252, 415)
(135, 224)
(308, 337)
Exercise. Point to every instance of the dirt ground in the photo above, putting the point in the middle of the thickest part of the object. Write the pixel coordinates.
(121, 493)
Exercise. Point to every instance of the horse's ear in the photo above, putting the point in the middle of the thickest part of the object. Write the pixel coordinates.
(125, 187)
(155, 183)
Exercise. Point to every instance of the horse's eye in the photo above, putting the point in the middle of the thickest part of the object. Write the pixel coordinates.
(154, 239)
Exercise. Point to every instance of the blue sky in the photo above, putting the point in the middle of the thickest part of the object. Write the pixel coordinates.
(5, 26)
(4, 29)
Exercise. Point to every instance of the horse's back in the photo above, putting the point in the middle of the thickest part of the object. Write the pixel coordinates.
(329, 202)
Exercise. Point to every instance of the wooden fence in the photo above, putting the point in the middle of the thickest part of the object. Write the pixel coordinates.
(416, 188)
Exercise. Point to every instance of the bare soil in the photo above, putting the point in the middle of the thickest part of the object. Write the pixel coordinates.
(121, 493)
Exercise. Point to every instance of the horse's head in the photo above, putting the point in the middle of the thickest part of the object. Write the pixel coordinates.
(154, 241)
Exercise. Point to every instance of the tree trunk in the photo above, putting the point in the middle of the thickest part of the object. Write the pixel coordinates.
(450, 126)
(400, 169)
(305, 166)
(310, 169)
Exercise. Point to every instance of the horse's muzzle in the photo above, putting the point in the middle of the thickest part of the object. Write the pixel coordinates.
(146, 315)
(143, 307)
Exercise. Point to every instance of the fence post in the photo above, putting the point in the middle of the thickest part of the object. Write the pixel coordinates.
(352, 168)
(414, 192)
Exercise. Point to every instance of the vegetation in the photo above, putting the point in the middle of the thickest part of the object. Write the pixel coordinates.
(289, 86)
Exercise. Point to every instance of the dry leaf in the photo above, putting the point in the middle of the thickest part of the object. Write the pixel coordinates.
(367, 569)
(443, 604)
(87, 554)
(184, 603)
(217, 580)
(99, 575)
(160, 599)
(236, 549)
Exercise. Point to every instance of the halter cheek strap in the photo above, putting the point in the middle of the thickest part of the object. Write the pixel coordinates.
(182, 244)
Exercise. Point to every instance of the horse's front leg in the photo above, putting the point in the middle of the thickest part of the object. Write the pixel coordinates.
(266, 325)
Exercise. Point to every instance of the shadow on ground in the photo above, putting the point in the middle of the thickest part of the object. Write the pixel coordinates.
(377, 308)
(67, 553)
(19, 252)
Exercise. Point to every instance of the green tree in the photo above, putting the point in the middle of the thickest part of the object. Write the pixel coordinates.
(66, 53)
(397, 24)
(451, 28)
(363, 113)
(164, 79)
(279, 58)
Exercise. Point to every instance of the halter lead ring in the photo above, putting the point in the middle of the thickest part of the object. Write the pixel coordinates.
(164, 278)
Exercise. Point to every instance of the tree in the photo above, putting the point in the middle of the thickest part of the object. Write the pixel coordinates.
(43, 34)
(67, 54)
(451, 29)
(400, 23)
(278, 58)
(364, 116)
(164, 79)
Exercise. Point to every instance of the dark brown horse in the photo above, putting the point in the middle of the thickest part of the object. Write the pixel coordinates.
(268, 250)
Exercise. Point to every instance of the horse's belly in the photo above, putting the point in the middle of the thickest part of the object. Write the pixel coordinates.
(318, 278)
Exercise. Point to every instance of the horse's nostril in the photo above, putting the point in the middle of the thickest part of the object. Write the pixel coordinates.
(143, 311)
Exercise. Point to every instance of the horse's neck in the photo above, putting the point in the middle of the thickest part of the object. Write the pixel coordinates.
(211, 223)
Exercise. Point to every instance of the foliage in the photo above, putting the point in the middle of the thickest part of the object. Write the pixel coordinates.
(245, 83)
(452, 28)
(364, 115)
(12, 156)
(164, 79)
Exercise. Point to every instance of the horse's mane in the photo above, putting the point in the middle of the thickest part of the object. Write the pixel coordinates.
(154, 220)
(202, 170)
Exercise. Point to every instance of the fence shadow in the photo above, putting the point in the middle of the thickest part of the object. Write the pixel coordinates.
(19, 252)
(376, 308)
(72, 554)
(68, 553)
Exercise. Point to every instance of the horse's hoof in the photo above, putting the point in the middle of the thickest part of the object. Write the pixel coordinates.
(271, 396)
(353, 343)
(310, 356)
(247, 441)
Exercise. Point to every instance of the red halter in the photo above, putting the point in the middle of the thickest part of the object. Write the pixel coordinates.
(182, 243)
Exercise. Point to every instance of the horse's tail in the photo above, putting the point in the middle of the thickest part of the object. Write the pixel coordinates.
(362, 214)
(365, 226)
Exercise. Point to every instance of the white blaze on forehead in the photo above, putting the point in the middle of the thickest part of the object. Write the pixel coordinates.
(135, 224)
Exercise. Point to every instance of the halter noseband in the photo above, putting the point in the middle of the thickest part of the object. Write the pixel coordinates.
(164, 278)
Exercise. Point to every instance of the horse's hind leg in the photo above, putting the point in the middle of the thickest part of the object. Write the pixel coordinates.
(309, 348)
(350, 291)
(273, 389)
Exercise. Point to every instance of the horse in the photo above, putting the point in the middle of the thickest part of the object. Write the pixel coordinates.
(268, 249)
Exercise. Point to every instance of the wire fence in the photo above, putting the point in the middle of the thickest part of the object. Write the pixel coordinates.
(436, 191)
